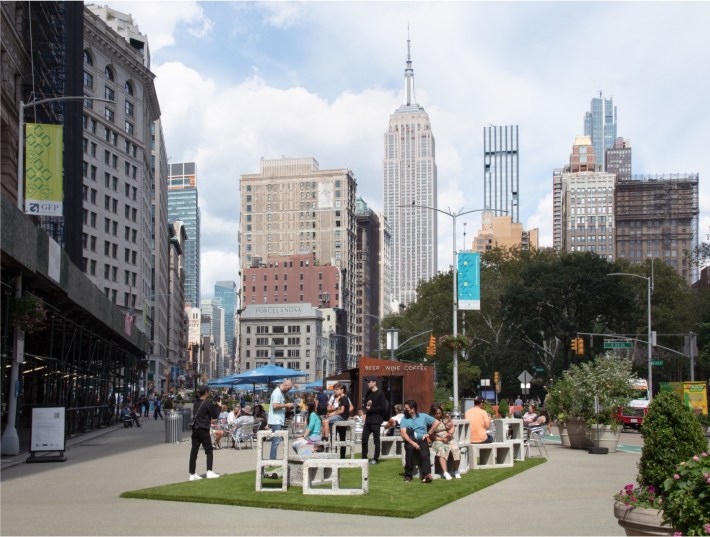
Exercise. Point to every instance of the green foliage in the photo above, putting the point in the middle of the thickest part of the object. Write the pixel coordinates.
(168, 403)
(503, 408)
(686, 505)
(442, 396)
(607, 378)
(671, 434)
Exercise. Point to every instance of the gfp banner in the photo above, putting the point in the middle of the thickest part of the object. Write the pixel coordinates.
(469, 281)
(43, 170)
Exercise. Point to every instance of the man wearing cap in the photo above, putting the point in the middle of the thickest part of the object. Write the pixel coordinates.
(375, 404)
(480, 422)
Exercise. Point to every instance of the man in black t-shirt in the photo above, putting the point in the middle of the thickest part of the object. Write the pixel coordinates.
(376, 408)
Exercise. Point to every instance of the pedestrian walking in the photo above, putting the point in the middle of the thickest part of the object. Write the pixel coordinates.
(158, 409)
(203, 412)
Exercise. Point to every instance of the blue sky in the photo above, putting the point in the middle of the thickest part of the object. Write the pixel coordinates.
(245, 80)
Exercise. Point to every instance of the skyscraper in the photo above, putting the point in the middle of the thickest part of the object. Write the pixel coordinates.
(501, 170)
(183, 206)
(409, 178)
(600, 124)
(226, 293)
(618, 159)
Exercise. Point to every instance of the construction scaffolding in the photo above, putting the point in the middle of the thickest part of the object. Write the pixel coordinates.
(657, 217)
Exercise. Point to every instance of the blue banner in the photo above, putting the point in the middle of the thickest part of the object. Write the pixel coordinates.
(469, 281)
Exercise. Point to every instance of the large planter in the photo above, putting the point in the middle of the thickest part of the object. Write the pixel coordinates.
(564, 435)
(577, 431)
(604, 437)
(640, 520)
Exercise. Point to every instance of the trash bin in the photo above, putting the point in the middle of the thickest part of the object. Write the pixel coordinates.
(173, 427)
(186, 415)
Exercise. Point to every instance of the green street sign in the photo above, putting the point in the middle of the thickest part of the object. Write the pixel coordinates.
(657, 362)
(618, 344)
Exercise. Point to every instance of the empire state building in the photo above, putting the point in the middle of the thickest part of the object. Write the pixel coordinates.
(409, 178)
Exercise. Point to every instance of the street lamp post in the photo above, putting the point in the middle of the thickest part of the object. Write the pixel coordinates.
(456, 413)
(649, 282)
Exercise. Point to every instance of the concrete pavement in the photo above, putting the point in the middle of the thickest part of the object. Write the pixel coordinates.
(571, 494)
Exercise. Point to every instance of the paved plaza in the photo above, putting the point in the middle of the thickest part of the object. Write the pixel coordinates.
(571, 494)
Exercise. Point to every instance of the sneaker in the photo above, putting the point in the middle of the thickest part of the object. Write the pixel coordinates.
(457, 475)
(211, 474)
(427, 478)
(407, 478)
(195, 477)
(447, 476)
(373, 461)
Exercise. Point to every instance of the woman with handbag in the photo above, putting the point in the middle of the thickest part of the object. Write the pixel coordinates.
(203, 412)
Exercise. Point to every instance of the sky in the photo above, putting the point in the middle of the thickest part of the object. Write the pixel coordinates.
(242, 81)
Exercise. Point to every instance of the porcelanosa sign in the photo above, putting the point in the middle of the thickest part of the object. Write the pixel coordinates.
(277, 310)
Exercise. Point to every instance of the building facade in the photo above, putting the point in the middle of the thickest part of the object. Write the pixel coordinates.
(657, 217)
(225, 292)
(368, 315)
(501, 171)
(409, 178)
(502, 232)
(618, 159)
(293, 207)
(183, 206)
(288, 335)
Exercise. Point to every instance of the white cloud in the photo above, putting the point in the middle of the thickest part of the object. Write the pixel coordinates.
(329, 93)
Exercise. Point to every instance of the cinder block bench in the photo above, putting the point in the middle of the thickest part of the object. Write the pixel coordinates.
(295, 467)
(318, 471)
(464, 465)
(493, 455)
(348, 443)
(261, 463)
(391, 447)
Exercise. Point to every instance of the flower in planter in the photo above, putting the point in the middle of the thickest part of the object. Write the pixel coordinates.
(687, 492)
(455, 343)
(639, 496)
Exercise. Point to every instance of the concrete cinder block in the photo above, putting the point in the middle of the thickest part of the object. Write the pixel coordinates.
(329, 469)
(261, 463)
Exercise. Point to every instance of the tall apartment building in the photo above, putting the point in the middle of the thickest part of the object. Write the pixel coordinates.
(618, 159)
(183, 206)
(657, 217)
(367, 293)
(409, 178)
(225, 292)
(293, 207)
(600, 126)
(584, 203)
(501, 170)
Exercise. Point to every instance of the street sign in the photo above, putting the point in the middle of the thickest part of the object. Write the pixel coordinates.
(657, 362)
(618, 344)
(525, 377)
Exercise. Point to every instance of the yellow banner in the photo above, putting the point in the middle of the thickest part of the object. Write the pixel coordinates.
(43, 170)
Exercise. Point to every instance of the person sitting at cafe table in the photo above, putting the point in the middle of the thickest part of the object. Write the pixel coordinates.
(530, 416)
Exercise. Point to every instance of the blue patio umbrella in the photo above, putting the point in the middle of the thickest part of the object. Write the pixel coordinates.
(268, 374)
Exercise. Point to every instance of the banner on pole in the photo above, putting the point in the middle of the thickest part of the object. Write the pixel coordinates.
(469, 280)
(43, 170)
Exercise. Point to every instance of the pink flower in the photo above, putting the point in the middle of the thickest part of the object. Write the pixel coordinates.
(677, 533)
(703, 454)
(708, 480)
(696, 458)
(676, 476)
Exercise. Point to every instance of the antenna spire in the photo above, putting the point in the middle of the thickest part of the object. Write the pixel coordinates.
(409, 74)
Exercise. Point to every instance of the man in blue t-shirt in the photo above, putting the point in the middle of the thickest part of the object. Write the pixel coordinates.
(416, 430)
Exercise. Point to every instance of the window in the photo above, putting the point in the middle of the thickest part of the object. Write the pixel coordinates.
(87, 58)
(129, 88)
(108, 114)
(88, 80)
(108, 72)
(109, 94)
(129, 108)
(129, 127)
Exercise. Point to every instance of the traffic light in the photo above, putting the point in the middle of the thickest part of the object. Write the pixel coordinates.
(580, 346)
(496, 377)
(574, 345)
(431, 348)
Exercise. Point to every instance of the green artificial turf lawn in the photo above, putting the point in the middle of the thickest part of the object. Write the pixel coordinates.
(388, 494)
